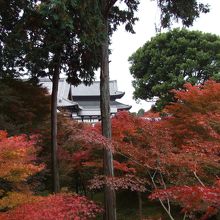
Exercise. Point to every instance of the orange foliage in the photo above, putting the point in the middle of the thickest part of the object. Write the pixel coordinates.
(17, 155)
(17, 164)
(14, 199)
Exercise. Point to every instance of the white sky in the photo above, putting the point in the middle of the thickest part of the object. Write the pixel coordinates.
(124, 44)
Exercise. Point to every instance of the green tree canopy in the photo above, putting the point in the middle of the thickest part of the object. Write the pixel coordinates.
(171, 59)
(48, 35)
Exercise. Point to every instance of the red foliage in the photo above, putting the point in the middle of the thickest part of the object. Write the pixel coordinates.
(184, 146)
(193, 198)
(80, 152)
(59, 207)
(197, 113)
(152, 115)
(176, 141)
(143, 141)
(195, 125)
(123, 167)
(176, 150)
(75, 159)
(127, 181)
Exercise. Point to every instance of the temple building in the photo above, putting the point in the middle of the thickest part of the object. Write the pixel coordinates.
(64, 100)
(88, 98)
(84, 101)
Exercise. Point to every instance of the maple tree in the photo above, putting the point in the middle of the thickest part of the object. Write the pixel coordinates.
(194, 122)
(196, 133)
(59, 206)
(80, 152)
(138, 139)
(17, 164)
(196, 119)
(180, 146)
(76, 154)
(193, 198)
(17, 155)
(80, 159)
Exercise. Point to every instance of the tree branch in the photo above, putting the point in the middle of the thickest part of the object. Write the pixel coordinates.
(144, 166)
(161, 202)
(200, 181)
(185, 214)
(165, 187)
(109, 6)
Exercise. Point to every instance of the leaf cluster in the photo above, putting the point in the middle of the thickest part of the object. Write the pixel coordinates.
(186, 11)
(124, 14)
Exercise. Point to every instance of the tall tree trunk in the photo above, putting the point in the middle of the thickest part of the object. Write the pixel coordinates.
(109, 194)
(55, 170)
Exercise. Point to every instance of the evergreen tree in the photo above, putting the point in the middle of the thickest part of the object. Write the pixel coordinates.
(171, 59)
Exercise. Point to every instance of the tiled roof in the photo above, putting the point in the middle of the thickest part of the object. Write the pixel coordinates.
(94, 89)
(63, 91)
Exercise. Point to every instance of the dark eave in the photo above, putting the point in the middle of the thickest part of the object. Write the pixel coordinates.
(96, 105)
(97, 98)
(121, 106)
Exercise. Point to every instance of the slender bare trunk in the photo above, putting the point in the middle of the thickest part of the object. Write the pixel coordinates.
(140, 205)
(55, 170)
(109, 194)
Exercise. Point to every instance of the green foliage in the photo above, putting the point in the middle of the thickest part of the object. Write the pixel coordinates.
(32, 32)
(51, 35)
(24, 106)
(122, 15)
(140, 112)
(187, 11)
(170, 59)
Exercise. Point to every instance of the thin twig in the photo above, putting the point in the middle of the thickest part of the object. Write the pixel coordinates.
(161, 202)
(165, 187)
(200, 181)
(135, 161)
(154, 174)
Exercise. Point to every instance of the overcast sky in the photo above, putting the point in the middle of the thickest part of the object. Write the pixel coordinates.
(124, 44)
